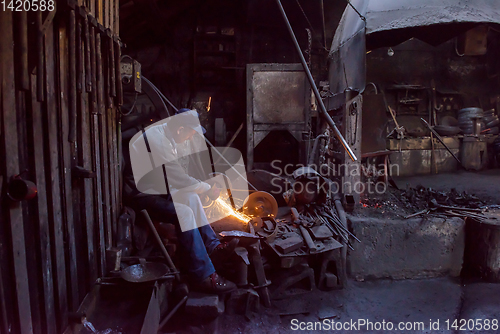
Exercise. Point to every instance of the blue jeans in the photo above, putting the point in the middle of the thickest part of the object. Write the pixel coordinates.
(194, 245)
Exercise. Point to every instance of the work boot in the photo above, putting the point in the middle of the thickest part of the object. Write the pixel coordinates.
(214, 284)
(222, 252)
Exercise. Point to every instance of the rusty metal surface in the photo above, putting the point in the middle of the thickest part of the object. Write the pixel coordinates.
(278, 97)
(417, 162)
(373, 136)
(423, 143)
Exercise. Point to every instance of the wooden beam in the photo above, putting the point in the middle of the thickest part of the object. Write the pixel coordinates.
(22, 50)
(43, 229)
(85, 160)
(54, 180)
(103, 148)
(66, 150)
(10, 168)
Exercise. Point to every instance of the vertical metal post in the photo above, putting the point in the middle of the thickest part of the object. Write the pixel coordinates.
(324, 113)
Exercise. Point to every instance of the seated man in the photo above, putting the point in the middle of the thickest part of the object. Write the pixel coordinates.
(169, 194)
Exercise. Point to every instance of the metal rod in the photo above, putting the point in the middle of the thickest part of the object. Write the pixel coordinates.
(167, 318)
(440, 139)
(423, 212)
(160, 243)
(327, 117)
(323, 23)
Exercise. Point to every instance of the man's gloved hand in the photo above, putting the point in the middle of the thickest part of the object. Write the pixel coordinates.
(214, 192)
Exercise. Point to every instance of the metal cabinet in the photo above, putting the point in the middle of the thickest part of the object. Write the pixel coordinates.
(278, 99)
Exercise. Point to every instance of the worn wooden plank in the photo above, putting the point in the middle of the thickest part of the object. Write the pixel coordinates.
(97, 186)
(117, 15)
(40, 57)
(72, 76)
(85, 242)
(100, 11)
(92, 7)
(111, 15)
(53, 182)
(22, 50)
(116, 170)
(105, 186)
(28, 208)
(66, 149)
(110, 112)
(106, 47)
(111, 74)
(118, 80)
(79, 60)
(42, 215)
(109, 140)
(93, 72)
(10, 167)
(88, 73)
(3, 279)
(113, 169)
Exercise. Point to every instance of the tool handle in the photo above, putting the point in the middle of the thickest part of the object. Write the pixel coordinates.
(160, 243)
(307, 238)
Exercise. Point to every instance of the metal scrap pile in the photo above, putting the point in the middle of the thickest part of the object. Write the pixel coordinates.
(420, 197)
(444, 204)
(318, 229)
(326, 215)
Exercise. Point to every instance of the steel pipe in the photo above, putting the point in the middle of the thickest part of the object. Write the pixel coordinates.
(322, 108)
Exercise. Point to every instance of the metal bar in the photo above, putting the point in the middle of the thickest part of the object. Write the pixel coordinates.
(423, 212)
(167, 318)
(327, 117)
(440, 139)
(160, 243)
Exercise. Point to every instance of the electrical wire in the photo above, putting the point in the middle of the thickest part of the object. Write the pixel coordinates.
(131, 108)
(160, 93)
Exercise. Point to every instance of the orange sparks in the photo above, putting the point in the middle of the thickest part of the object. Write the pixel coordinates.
(227, 209)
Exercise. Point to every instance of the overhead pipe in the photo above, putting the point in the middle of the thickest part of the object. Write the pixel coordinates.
(322, 108)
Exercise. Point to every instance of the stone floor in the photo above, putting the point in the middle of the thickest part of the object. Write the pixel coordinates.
(409, 302)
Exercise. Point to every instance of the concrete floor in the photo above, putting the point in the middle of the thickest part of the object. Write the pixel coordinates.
(405, 301)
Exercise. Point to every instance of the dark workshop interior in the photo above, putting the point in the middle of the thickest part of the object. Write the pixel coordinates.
(351, 150)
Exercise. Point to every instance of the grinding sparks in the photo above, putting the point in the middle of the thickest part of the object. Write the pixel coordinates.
(229, 211)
